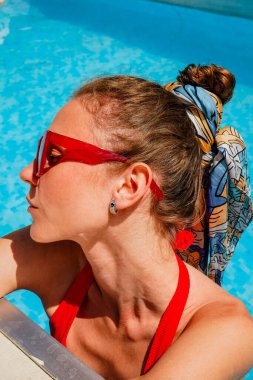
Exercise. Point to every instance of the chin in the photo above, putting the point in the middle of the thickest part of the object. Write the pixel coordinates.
(42, 235)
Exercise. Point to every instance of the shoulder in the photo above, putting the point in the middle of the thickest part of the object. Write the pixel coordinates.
(215, 338)
(203, 293)
(46, 269)
(217, 343)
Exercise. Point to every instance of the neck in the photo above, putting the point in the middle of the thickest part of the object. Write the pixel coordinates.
(135, 277)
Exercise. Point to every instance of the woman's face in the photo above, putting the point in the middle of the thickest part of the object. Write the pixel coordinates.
(72, 198)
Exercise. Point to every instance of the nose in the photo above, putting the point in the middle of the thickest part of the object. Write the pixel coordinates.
(26, 174)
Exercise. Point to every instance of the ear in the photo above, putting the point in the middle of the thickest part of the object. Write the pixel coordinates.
(132, 185)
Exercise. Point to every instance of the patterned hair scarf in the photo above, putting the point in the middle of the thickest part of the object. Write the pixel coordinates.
(225, 203)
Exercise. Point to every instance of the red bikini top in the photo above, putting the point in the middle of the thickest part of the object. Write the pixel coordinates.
(63, 317)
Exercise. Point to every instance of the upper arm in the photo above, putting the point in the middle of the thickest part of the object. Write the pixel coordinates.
(218, 346)
(26, 264)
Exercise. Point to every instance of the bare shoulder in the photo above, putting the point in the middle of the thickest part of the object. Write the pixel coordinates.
(217, 330)
(39, 267)
(215, 340)
(217, 343)
(228, 326)
(203, 293)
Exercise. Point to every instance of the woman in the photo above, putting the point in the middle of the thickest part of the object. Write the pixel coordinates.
(118, 176)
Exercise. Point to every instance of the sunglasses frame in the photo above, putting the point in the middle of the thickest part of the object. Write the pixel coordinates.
(76, 151)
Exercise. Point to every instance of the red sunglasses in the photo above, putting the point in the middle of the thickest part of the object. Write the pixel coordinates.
(54, 149)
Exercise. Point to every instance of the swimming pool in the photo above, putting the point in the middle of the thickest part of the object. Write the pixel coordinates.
(47, 50)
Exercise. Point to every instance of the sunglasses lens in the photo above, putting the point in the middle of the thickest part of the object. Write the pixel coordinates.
(40, 152)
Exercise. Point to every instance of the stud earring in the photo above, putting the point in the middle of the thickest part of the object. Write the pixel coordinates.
(113, 207)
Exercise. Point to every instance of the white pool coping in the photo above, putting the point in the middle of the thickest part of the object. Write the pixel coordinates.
(27, 352)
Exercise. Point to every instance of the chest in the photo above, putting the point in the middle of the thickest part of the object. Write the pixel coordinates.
(110, 355)
(108, 351)
(95, 340)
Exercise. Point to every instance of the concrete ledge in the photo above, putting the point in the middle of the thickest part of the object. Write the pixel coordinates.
(15, 365)
(28, 352)
(240, 8)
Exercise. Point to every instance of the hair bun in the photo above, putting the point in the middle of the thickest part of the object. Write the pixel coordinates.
(213, 78)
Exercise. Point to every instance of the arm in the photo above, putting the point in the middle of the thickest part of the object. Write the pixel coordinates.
(217, 344)
(26, 264)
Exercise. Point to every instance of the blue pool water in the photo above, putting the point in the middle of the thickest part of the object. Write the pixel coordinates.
(48, 48)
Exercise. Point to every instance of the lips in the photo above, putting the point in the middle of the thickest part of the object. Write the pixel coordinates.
(30, 203)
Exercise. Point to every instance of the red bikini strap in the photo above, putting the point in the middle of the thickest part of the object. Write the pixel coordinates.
(64, 316)
(170, 319)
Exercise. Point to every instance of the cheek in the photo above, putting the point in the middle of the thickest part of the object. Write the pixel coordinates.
(73, 200)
